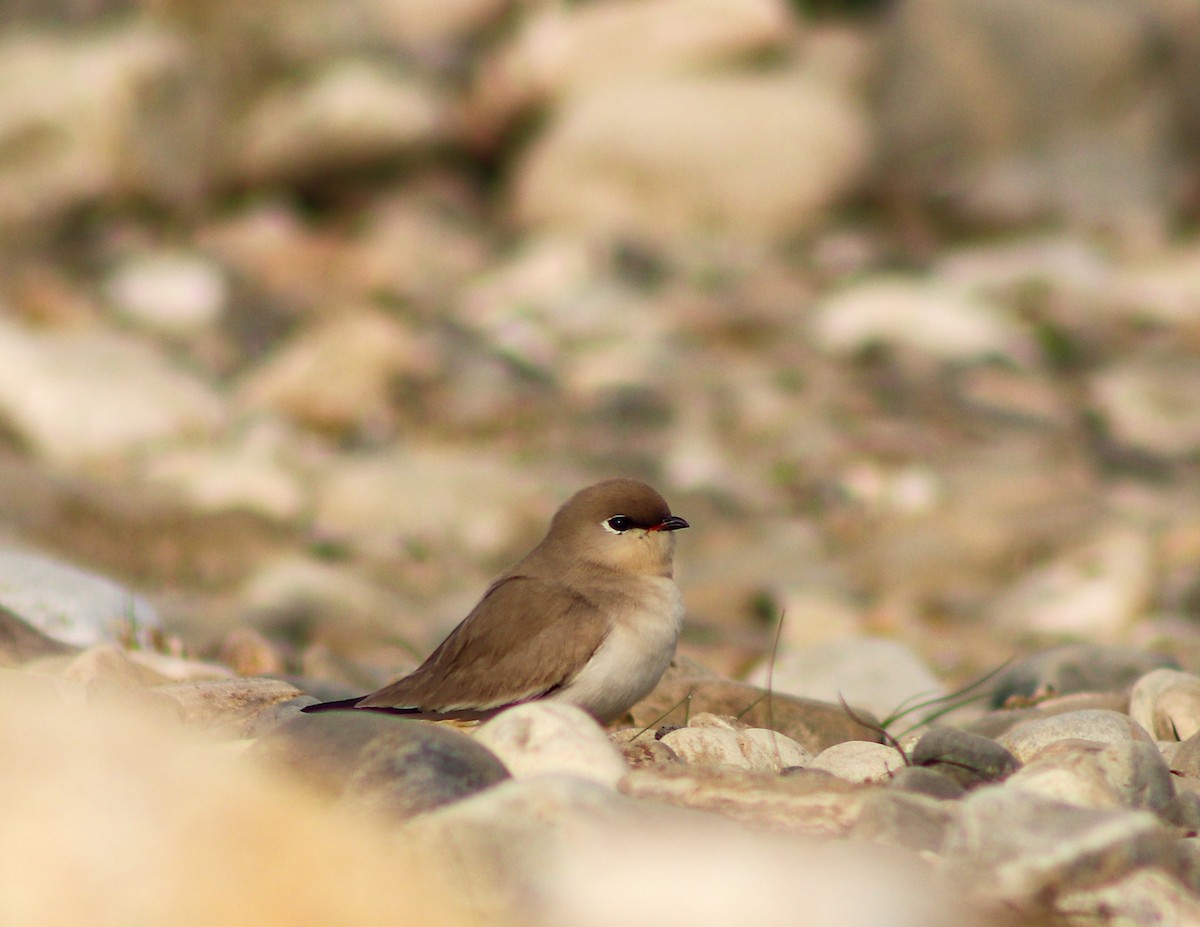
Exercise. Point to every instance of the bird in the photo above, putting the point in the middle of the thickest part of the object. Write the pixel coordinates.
(590, 616)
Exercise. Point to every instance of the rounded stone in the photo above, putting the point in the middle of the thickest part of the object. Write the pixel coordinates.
(860, 761)
(1076, 668)
(1166, 703)
(968, 759)
(1109, 727)
(552, 737)
(929, 782)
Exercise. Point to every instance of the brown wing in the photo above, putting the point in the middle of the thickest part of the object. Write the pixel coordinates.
(526, 637)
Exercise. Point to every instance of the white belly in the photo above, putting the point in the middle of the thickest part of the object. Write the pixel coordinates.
(633, 657)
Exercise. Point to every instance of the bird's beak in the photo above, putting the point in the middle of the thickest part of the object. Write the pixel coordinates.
(671, 523)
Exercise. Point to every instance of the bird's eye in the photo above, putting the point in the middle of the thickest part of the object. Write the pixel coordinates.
(620, 523)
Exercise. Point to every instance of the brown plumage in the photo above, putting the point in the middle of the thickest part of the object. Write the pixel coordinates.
(589, 616)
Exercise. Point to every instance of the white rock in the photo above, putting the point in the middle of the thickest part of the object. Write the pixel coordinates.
(84, 395)
(71, 604)
(712, 740)
(875, 673)
(927, 316)
(174, 293)
(552, 737)
(1166, 703)
(759, 157)
(1107, 727)
(859, 761)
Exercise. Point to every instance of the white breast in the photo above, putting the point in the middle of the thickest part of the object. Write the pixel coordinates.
(633, 657)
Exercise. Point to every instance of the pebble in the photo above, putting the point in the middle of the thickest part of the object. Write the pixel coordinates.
(1166, 703)
(709, 738)
(171, 293)
(73, 605)
(929, 782)
(1136, 398)
(860, 761)
(1109, 727)
(544, 737)
(905, 819)
(968, 759)
(1145, 896)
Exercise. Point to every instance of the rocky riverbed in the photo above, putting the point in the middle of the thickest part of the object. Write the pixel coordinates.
(313, 312)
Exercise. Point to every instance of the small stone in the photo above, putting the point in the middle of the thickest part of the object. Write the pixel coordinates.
(248, 652)
(968, 759)
(860, 761)
(994, 724)
(1109, 727)
(1143, 401)
(1167, 704)
(1130, 774)
(1024, 849)
(109, 666)
(929, 782)
(728, 745)
(1186, 759)
(1145, 896)
(645, 750)
(230, 706)
(73, 605)
(1077, 667)
(552, 737)
(172, 293)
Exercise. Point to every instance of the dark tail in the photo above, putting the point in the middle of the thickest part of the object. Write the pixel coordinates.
(340, 705)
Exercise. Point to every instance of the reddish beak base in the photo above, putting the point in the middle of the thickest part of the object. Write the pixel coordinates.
(671, 523)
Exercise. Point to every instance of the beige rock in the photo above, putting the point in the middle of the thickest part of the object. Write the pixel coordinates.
(1094, 775)
(552, 737)
(709, 739)
(231, 707)
(1144, 896)
(335, 375)
(1167, 704)
(756, 157)
(1145, 402)
(86, 396)
(20, 688)
(1104, 726)
(353, 112)
(181, 813)
(859, 761)
(927, 316)
(110, 666)
(561, 50)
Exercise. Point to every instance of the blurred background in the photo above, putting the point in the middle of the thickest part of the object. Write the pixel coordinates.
(313, 311)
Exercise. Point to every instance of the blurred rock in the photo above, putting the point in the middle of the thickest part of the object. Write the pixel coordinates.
(880, 675)
(1106, 727)
(338, 374)
(254, 471)
(545, 737)
(248, 652)
(925, 316)
(90, 396)
(69, 114)
(1080, 667)
(904, 819)
(73, 605)
(924, 781)
(168, 293)
(859, 761)
(1167, 704)
(1145, 404)
(231, 707)
(1087, 774)
(1094, 591)
(21, 642)
(350, 114)
(557, 51)
(1083, 134)
(760, 158)
(1143, 896)
(1033, 850)
(641, 748)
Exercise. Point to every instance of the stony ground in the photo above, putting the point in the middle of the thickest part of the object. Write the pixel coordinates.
(312, 313)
